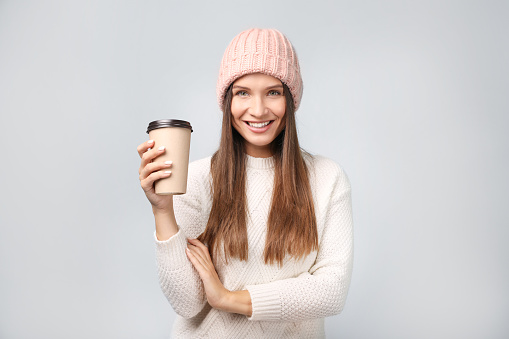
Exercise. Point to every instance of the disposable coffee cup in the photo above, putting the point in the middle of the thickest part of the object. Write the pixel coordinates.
(175, 136)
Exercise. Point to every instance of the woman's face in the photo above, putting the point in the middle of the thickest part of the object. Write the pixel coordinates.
(258, 112)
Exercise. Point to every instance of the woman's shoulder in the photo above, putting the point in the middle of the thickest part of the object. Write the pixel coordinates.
(199, 173)
(326, 171)
(200, 167)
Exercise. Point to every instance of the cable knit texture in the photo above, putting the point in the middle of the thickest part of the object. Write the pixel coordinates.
(289, 301)
(265, 51)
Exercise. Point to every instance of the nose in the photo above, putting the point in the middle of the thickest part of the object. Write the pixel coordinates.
(258, 107)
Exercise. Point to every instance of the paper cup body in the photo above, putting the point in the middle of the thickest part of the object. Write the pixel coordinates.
(177, 141)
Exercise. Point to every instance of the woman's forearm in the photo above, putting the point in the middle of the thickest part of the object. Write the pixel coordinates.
(166, 224)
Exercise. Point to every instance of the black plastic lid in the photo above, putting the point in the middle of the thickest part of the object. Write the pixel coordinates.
(168, 123)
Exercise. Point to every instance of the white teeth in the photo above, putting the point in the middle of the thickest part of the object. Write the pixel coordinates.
(258, 125)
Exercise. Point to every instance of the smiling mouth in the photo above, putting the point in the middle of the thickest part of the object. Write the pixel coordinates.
(258, 124)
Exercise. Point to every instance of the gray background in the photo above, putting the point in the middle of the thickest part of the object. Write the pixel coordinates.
(411, 98)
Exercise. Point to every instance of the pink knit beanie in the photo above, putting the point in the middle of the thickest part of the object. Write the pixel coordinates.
(265, 51)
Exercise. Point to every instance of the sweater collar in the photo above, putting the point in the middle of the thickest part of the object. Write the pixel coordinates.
(259, 163)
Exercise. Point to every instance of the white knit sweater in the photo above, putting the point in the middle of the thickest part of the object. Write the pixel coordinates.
(289, 301)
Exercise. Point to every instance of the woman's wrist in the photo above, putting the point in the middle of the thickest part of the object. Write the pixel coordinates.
(166, 210)
(238, 302)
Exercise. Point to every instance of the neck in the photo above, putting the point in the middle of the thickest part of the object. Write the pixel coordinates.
(258, 152)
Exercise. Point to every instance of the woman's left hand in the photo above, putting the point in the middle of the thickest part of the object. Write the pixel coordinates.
(217, 294)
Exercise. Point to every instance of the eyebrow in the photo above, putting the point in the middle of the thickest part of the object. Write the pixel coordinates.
(270, 87)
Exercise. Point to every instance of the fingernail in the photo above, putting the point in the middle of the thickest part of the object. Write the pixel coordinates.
(150, 141)
(169, 162)
(167, 172)
(161, 148)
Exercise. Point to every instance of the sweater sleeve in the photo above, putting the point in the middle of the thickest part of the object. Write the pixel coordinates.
(321, 291)
(178, 279)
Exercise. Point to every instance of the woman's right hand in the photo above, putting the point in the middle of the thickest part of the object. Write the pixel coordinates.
(150, 171)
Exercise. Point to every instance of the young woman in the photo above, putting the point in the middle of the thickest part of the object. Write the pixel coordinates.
(260, 246)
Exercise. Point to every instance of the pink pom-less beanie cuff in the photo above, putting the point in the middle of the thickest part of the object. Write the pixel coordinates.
(265, 51)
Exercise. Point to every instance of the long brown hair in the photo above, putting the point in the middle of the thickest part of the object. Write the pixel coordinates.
(292, 226)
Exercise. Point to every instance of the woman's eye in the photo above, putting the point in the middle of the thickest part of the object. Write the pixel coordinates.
(274, 92)
(241, 93)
